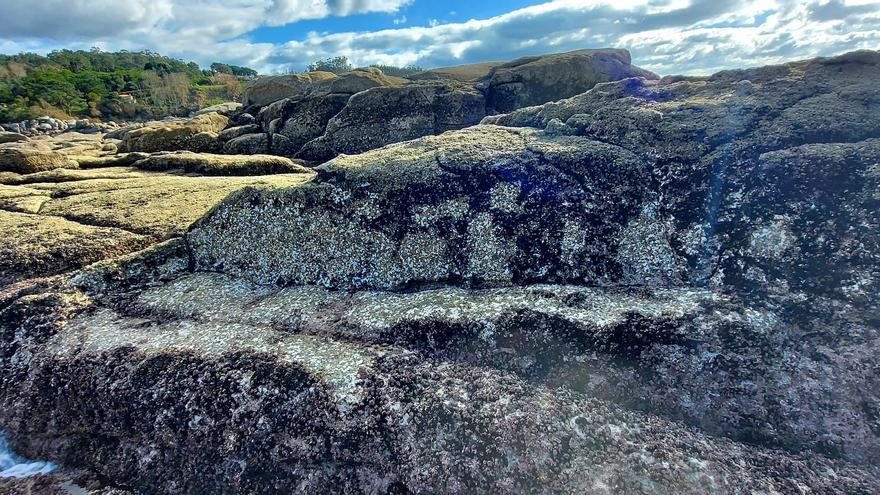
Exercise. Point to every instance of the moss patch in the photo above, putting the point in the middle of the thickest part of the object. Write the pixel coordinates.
(37, 245)
(211, 164)
(158, 206)
(26, 160)
(70, 175)
(173, 135)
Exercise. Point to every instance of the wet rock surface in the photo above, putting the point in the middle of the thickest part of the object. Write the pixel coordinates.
(658, 286)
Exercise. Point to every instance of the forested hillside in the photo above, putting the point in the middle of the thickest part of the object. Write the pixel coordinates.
(117, 85)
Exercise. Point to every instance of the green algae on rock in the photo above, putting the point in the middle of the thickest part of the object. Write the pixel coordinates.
(159, 206)
(30, 159)
(212, 164)
(198, 134)
(64, 219)
(38, 245)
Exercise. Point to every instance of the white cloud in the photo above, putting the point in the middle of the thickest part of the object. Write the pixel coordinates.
(73, 19)
(400, 20)
(165, 24)
(667, 36)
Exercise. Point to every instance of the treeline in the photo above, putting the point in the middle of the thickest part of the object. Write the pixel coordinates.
(218, 68)
(338, 65)
(127, 85)
(111, 85)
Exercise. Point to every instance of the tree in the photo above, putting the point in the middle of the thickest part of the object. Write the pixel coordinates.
(94, 82)
(231, 85)
(218, 68)
(54, 87)
(336, 65)
(245, 72)
(392, 70)
(170, 93)
(90, 83)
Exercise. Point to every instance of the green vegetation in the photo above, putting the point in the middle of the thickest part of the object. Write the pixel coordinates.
(235, 70)
(394, 71)
(339, 65)
(127, 85)
(336, 65)
(99, 84)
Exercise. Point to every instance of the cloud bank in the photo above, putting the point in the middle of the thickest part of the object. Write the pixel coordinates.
(666, 36)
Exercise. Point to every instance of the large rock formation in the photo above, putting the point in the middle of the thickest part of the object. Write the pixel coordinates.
(268, 89)
(383, 115)
(657, 286)
(24, 159)
(197, 134)
(462, 207)
(758, 170)
(535, 80)
(364, 109)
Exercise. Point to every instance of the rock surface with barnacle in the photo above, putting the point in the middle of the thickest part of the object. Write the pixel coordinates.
(655, 286)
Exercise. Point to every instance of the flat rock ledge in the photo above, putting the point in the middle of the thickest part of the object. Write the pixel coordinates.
(302, 388)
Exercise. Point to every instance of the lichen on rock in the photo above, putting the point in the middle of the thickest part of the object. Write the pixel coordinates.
(365, 238)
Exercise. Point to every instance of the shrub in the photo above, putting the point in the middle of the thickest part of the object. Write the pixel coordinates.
(336, 65)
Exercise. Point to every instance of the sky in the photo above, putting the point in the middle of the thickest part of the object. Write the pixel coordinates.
(276, 36)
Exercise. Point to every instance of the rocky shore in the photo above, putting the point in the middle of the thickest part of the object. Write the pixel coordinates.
(49, 125)
(557, 275)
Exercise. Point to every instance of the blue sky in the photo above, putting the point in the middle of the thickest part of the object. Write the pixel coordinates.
(666, 36)
(419, 13)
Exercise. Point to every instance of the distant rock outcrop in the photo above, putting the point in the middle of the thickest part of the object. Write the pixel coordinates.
(211, 164)
(322, 117)
(318, 115)
(535, 80)
(462, 73)
(12, 137)
(197, 134)
(26, 159)
(221, 108)
(268, 89)
(376, 117)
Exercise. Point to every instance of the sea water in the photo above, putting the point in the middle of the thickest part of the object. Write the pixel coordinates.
(13, 466)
